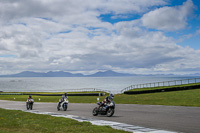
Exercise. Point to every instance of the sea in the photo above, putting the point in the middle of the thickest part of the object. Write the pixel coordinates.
(71, 84)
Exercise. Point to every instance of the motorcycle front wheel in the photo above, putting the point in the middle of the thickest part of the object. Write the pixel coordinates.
(58, 107)
(65, 107)
(27, 106)
(110, 112)
(95, 111)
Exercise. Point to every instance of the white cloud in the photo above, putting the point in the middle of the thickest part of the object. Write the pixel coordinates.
(44, 35)
(169, 18)
(73, 10)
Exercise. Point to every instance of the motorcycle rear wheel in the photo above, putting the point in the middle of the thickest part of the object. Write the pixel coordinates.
(110, 112)
(95, 111)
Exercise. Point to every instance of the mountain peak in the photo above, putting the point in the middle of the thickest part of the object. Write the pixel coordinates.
(110, 73)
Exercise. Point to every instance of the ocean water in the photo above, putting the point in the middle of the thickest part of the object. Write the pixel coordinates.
(67, 84)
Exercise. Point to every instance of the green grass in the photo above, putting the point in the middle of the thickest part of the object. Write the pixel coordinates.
(72, 99)
(13, 121)
(175, 98)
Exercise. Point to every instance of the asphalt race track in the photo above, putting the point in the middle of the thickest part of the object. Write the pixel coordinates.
(169, 118)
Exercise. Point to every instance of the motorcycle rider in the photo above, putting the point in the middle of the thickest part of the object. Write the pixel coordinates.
(111, 97)
(29, 97)
(107, 101)
(31, 100)
(65, 96)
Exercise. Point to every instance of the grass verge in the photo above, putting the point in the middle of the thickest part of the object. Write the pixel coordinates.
(174, 98)
(13, 121)
(72, 99)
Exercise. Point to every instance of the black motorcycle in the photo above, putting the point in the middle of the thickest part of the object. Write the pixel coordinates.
(106, 109)
(29, 104)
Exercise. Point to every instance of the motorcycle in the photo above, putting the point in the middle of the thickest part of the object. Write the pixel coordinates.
(106, 109)
(29, 104)
(63, 105)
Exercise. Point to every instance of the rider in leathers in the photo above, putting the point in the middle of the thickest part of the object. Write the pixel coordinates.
(30, 97)
(107, 101)
(65, 96)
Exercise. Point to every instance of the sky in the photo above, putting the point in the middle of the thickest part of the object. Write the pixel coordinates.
(127, 36)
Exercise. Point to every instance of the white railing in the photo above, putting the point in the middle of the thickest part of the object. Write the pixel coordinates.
(161, 84)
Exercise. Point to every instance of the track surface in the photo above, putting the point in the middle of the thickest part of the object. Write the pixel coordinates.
(171, 118)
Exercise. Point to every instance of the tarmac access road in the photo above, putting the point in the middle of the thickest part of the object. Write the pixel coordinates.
(170, 118)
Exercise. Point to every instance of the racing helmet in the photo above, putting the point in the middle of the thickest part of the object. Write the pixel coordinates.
(111, 95)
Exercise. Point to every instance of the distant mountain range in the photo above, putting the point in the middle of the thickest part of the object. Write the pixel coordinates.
(108, 73)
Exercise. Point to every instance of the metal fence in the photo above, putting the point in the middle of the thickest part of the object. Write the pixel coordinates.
(87, 90)
(67, 90)
(162, 84)
(11, 93)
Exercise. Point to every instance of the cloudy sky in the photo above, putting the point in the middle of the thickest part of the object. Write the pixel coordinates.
(130, 36)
